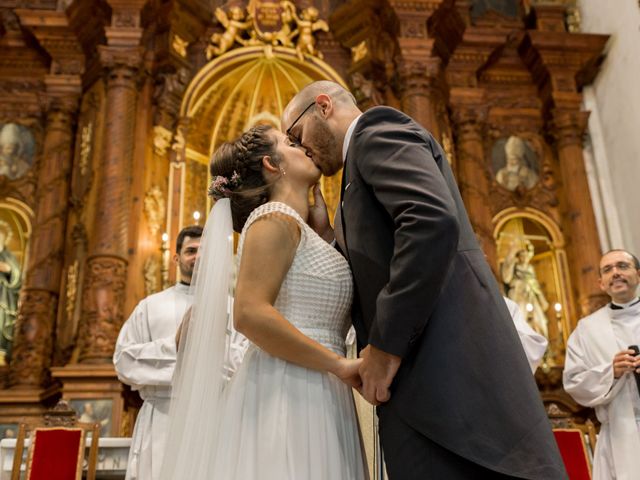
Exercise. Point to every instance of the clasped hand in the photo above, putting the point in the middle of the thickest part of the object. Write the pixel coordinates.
(625, 361)
(371, 374)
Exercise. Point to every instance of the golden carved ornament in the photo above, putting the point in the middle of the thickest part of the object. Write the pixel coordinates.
(359, 52)
(447, 146)
(161, 140)
(573, 19)
(179, 45)
(268, 22)
(72, 290)
(151, 272)
(86, 138)
(154, 208)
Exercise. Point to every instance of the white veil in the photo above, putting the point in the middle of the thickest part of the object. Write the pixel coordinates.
(199, 376)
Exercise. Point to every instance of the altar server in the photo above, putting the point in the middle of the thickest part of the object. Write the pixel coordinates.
(533, 343)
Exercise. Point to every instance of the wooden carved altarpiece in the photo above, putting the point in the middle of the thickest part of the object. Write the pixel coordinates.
(127, 99)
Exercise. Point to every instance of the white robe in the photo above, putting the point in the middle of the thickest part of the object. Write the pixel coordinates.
(588, 378)
(533, 343)
(145, 358)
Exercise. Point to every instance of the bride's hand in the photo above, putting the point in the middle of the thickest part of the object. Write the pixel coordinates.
(319, 217)
(347, 371)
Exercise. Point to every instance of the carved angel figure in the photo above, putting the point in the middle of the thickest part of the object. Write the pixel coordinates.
(284, 36)
(235, 23)
(307, 24)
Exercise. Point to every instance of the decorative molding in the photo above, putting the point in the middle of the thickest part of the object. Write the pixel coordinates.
(161, 140)
(33, 343)
(179, 45)
(268, 23)
(359, 52)
(86, 140)
(103, 301)
(365, 91)
(168, 91)
(72, 290)
(151, 274)
(155, 209)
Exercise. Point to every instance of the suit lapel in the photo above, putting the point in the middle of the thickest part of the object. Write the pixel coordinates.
(339, 224)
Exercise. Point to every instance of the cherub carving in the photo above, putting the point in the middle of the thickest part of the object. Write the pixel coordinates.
(284, 36)
(307, 24)
(235, 23)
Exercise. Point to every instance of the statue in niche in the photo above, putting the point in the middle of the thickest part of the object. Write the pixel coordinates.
(10, 283)
(16, 150)
(523, 286)
(515, 164)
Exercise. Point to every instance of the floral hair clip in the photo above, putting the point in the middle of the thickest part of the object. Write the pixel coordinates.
(222, 187)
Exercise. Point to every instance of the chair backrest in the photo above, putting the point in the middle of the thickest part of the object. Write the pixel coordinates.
(573, 449)
(57, 453)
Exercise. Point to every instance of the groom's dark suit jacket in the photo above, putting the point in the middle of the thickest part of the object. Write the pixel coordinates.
(425, 292)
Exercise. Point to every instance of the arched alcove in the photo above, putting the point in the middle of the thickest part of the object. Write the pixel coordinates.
(242, 88)
(533, 270)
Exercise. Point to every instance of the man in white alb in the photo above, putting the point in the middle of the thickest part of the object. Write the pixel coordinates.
(599, 368)
(145, 357)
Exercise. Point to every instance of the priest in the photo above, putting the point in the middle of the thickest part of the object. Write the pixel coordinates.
(600, 368)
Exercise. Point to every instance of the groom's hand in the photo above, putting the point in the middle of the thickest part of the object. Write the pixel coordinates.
(377, 371)
(318, 216)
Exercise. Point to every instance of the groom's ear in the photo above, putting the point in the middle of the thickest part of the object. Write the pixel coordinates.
(324, 105)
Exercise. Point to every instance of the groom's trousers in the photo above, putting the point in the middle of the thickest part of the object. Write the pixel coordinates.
(409, 455)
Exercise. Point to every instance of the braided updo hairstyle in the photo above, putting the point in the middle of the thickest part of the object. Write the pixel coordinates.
(243, 157)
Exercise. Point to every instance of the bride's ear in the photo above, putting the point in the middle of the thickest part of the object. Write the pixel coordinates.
(269, 165)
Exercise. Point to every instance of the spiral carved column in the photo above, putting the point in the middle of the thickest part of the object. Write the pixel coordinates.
(104, 287)
(39, 299)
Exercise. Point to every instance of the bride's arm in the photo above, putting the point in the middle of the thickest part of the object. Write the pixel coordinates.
(269, 248)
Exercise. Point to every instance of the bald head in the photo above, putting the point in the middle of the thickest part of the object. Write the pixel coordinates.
(338, 94)
(317, 119)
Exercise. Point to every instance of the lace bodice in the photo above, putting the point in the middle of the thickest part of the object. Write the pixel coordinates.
(317, 291)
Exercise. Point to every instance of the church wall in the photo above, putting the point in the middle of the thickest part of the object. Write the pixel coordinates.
(613, 127)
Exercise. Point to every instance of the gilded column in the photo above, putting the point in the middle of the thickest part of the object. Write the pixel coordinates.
(472, 176)
(39, 299)
(568, 127)
(104, 286)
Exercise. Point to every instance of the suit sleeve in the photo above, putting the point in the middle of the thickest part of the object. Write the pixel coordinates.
(402, 172)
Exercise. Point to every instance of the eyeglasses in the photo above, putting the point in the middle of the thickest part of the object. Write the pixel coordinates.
(288, 132)
(620, 266)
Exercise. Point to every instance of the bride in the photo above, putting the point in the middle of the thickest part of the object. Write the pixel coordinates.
(288, 412)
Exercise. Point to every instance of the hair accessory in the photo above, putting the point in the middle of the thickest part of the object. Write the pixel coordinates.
(222, 186)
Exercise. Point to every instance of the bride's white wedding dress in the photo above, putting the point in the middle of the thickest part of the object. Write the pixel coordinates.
(282, 421)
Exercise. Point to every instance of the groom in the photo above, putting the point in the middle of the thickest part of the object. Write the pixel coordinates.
(441, 355)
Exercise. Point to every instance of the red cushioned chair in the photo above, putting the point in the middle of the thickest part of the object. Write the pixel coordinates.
(57, 453)
(573, 449)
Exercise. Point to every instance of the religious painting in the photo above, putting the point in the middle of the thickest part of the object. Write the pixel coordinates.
(8, 430)
(531, 268)
(91, 410)
(515, 164)
(17, 150)
(15, 229)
